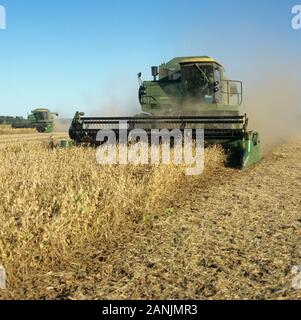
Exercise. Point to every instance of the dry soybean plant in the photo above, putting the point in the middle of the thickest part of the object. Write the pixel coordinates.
(57, 206)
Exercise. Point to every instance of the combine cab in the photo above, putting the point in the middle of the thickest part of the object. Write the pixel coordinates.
(186, 93)
(40, 119)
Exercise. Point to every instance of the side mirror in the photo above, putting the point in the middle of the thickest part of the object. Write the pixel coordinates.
(155, 72)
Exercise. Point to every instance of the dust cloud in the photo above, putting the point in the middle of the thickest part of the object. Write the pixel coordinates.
(115, 108)
(273, 101)
(61, 125)
(115, 98)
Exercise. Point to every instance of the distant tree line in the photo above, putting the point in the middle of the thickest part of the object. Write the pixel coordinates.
(10, 120)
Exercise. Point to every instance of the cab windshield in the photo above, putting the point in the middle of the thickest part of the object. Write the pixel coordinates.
(41, 116)
(198, 81)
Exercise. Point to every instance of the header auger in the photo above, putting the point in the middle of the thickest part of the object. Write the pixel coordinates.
(186, 93)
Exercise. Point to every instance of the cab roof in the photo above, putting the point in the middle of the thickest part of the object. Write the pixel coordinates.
(40, 110)
(201, 59)
(175, 63)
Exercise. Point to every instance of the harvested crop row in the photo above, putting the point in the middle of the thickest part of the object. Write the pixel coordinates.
(28, 138)
(8, 130)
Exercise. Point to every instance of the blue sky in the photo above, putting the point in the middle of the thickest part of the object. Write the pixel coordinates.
(85, 55)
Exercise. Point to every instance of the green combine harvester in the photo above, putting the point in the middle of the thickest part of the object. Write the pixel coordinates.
(186, 93)
(40, 119)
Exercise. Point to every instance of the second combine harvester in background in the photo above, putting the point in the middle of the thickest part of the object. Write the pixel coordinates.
(40, 119)
(191, 93)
